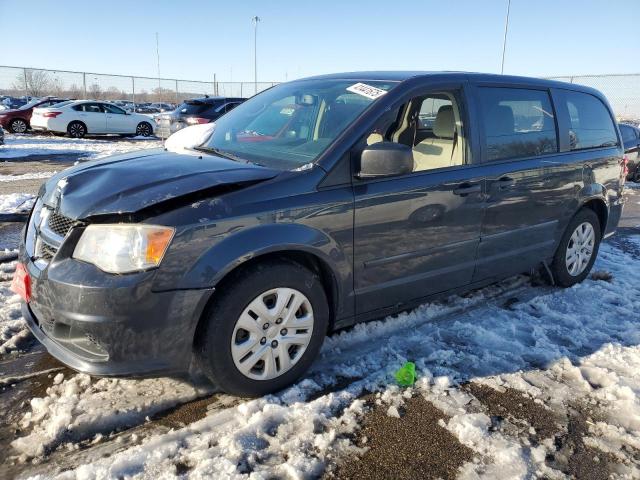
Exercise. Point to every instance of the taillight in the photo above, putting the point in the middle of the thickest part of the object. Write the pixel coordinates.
(624, 164)
(197, 120)
(51, 114)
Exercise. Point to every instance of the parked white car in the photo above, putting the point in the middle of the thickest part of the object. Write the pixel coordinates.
(81, 117)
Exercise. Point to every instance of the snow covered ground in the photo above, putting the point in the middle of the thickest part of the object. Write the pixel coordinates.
(65, 151)
(17, 145)
(559, 348)
(16, 202)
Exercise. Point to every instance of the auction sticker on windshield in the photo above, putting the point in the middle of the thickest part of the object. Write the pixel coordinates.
(366, 90)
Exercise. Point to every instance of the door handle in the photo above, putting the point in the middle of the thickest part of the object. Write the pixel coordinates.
(505, 183)
(466, 188)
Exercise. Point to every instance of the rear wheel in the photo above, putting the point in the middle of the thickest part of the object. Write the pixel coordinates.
(144, 129)
(18, 125)
(77, 130)
(264, 329)
(578, 249)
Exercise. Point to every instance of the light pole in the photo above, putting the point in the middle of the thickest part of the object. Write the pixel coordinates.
(255, 21)
(504, 41)
(158, 58)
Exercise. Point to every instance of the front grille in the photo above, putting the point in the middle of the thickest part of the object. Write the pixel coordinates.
(46, 251)
(60, 224)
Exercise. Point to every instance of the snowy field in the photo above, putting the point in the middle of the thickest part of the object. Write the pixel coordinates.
(65, 151)
(25, 145)
(522, 380)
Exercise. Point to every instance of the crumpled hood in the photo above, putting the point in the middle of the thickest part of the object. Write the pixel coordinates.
(130, 182)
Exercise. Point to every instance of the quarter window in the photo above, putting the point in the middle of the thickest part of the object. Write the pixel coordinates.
(628, 134)
(517, 123)
(591, 125)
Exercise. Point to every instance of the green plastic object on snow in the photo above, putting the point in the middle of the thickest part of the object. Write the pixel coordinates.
(406, 375)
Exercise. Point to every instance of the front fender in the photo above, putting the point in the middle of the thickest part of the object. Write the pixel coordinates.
(246, 244)
(237, 248)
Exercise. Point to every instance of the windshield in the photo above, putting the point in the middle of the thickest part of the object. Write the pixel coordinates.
(291, 124)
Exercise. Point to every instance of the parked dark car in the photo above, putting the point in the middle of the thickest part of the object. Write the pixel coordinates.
(631, 140)
(314, 205)
(19, 120)
(194, 112)
(1, 136)
(11, 103)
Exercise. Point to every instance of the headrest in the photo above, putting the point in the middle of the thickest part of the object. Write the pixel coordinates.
(502, 121)
(444, 126)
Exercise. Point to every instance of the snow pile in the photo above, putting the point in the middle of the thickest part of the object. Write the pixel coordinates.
(275, 436)
(26, 176)
(16, 202)
(185, 139)
(26, 145)
(77, 408)
(13, 329)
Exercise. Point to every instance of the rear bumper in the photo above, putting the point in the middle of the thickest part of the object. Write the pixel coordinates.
(615, 213)
(115, 325)
(42, 124)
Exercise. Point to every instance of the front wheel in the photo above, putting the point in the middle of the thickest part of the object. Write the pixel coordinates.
(578, 249)
(144, 129)
(264, 329)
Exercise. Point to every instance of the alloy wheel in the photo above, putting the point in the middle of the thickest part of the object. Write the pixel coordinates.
(143, 129)
(272, 333)
(76, 130)
(580, 249)
(19, 126)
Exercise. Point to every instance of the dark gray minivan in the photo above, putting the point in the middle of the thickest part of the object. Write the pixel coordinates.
(314, 205)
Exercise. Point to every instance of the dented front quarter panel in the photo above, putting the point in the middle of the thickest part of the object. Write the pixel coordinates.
(287, 213)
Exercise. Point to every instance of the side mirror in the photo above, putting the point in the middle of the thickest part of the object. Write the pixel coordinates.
(385, 159)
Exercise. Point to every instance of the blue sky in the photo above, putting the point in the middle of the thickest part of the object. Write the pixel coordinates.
(297, 38)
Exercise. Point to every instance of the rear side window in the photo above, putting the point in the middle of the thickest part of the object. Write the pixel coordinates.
(517, 123)
(628, 133)
(591, 125)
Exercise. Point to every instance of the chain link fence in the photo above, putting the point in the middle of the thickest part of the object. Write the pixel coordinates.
(622, 91)
(36, 82)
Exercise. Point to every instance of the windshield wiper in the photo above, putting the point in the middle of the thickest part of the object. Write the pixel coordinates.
(225, 154)
(220, 153)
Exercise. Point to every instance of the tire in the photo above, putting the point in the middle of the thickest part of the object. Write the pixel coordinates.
(18, 125)
(76, 129)
(221, 341)
(144, 129)
(581, 227)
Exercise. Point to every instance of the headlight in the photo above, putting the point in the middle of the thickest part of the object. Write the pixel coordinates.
(122, 248)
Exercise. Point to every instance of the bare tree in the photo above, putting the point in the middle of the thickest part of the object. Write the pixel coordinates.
(161, 94)
(74, 91)
(33, 82)
(94, 91)
(114, 93)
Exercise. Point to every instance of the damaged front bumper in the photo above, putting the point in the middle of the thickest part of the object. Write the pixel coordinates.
(106, 324)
